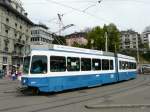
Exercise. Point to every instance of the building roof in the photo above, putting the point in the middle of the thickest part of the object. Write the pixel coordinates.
(42, 25)
(76, 35)
(129, 32)
(11, 9)
(147, 29)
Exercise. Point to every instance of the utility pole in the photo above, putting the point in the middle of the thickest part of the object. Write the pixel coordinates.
(92, 42)
(106, 44)
(60, 22)
(137, 46)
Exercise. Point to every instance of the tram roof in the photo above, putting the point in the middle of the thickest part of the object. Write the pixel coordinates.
(70, 49)
(125, 57)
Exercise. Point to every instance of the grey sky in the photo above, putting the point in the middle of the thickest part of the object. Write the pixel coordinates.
(126, 14)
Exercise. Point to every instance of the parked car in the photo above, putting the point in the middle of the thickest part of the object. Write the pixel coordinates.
(145, 68)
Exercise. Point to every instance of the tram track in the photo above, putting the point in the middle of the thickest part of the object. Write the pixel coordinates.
(60, 102)
(102, 97)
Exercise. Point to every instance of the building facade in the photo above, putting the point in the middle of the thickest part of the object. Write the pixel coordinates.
(15, 33)
(77, 37)
(145, 36)
(40, 35)
(129, 39)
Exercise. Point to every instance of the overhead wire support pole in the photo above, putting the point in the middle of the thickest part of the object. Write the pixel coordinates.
(137, 45)
(60, 23)
(106, 42)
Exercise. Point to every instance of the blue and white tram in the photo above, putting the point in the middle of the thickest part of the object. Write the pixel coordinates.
(57, 68)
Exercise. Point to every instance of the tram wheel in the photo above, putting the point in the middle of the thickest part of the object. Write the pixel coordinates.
(35, 91)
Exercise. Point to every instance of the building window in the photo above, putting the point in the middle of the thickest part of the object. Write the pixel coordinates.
(16, 25)
(4, 60)
(0, 43)
(7, 20)
(6, 31)
(57, 64)
(6, 43)
(96, 64)
(105, 64)
(20, 27)
(15, 35)
(38, 39)
(73, 64)
(39, 65)
(85, 64)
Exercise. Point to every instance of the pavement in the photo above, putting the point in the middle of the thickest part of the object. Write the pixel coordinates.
(127, 96)
(137, 100)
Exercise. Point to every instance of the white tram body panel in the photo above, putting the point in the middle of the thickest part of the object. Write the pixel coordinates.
(68, 68)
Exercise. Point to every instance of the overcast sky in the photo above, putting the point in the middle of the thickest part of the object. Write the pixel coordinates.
(126, 14)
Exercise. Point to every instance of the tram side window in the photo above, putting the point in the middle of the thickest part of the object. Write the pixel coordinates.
(85, 64)
(111, 65)
(73, 64)
(134, 65)
(123, 65)
(126, 65)
(129, 65)
(105, 64)
(96, 64)
(39, 65)
(120, 65)
(57, 64)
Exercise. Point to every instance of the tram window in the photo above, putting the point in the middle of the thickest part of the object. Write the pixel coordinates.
(111, 65)
(26, 64)
(123, 65)
(73, 64)
(39, 65)
(120, 65)
(85, 64)
(105, 64)
(134, 65)
(129, 65)
(96, 64)
(57, 64)
(126, 65)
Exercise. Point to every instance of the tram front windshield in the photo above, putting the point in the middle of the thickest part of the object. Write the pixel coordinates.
(38, 65)
(26, 64)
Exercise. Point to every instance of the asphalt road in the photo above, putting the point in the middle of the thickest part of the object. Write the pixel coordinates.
(127, 96)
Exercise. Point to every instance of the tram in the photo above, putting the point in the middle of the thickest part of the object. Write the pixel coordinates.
(54, 68)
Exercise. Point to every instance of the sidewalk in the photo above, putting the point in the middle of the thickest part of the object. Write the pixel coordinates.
(5, 80)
